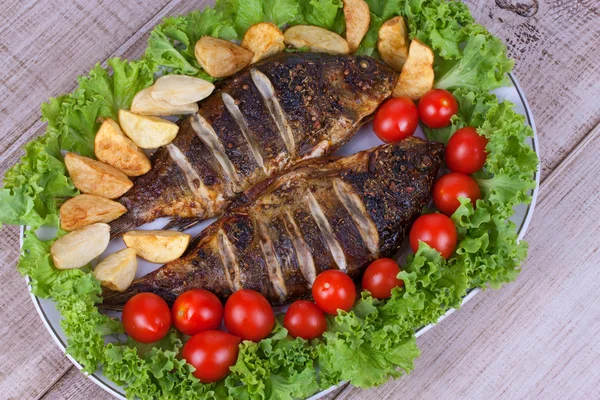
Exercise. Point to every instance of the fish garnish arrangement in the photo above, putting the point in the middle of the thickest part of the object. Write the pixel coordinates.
(339, 213)
(278, 112)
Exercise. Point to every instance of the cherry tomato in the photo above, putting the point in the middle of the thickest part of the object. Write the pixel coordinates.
(333, 290)
(465, 151)
(380, 278)
(211, 353)
(146, 318)
(436, 108)
(437, 230)
(450, 187)
(249, 315)
(396, 119)
(305, 319)
(197, 310)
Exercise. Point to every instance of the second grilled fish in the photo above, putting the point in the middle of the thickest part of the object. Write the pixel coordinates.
(277, 237)
(278, 112)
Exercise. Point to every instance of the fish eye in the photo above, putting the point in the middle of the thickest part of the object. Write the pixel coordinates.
(364, 64)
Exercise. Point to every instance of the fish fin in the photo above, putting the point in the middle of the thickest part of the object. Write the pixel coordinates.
(124, 224)
(181, 224)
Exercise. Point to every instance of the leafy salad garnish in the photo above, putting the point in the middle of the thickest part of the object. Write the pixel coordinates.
(365, 346)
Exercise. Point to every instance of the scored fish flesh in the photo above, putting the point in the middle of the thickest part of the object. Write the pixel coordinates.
(265, 119)
(275, 238)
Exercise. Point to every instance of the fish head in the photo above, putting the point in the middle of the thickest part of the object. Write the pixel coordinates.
(361, 83)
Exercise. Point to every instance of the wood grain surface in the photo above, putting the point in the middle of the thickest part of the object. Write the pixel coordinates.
(536, 338)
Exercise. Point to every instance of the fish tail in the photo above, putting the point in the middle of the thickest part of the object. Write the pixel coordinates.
(182, 224)
(114, 300)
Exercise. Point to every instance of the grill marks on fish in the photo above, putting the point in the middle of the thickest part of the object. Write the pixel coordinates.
(357, 211)
(303, 252)
(234, 110)
(274, 268)
(191, 176)
(267, 91)
(229, 260)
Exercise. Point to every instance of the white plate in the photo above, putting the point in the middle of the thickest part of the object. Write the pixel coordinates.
(364, 139)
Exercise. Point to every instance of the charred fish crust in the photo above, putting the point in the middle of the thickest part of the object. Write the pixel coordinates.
(337, 252)
(356, 209)
(303, 254)
(191, 176)
(206, 133)
(267, 91)
(229, 260)
(234, 110)
(274, 269)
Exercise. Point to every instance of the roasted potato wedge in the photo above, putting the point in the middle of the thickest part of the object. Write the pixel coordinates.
(180, 90)
(117, 271)
(77, 248)
(112, 147)
(264, 40)
(144, 104)
(417, 75)
(393, 42)
(87, 209)
(147, 132)
(316, 39)
(157, 246)
(221, 58)
(95, 177)
(358, 18)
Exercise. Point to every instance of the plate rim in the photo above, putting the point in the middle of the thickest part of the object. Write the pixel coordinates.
(472, 293)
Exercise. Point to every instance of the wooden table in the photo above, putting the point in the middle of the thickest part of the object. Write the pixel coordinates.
(537, 338)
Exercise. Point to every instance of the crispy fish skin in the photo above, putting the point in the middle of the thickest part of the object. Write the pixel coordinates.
(339, 213)
(278, 112)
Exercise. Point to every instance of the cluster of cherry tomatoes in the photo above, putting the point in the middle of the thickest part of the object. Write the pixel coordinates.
(466, 154)
(247, 315)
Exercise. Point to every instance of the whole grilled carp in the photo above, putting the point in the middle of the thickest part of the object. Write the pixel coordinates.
(339, 213)
(276, 113)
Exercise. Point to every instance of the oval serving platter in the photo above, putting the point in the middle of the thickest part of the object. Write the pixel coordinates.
(364, 139)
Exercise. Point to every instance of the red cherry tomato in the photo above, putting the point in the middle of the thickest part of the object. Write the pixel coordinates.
(197, 310)
(396, 119)
(146, 318)
(465, 151)
(305, 319)
(211, 353)
(437, 230)
(249, 315)
(333, 290)
(450, 187)
(436, 108)
(380, 278)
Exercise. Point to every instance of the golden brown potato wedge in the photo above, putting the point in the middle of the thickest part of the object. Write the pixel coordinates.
(95, 177)
(87, 209)
(144, 104)
(157, 246)
(393, 42)
(358, 18)
(264, 40)
(77, 248)
(117, 271)
(417, 76)
(180, 90)
(112, 147)
(147, 132)
(221, 58)
(316, 39)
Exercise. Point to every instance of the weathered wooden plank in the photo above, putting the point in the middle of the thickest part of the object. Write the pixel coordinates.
(74, 385)
(537, 337)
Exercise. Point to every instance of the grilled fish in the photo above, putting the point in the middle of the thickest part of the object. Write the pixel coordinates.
(285, 109)
(328, 213)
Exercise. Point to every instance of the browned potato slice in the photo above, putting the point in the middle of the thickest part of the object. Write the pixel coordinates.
(180, 90)
(221, 58)
(114, 148)
(393, 42)
(358, 18)
(87, 209)
(264, 40)
(157, 246)
(95, 177)
(77, 248)
(416, 77)
(144, 104)
(147, 132)
(316, 39)
(117, 271)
